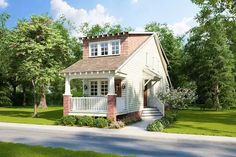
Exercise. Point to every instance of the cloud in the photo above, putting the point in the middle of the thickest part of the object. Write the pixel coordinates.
(134, 1)
(181, 27)
(3, 4)
(77, 16)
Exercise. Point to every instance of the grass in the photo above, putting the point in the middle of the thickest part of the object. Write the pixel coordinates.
(24, 115)
(21, 150)
(195, 121)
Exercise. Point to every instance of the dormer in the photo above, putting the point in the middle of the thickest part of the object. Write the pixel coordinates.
(119, 44)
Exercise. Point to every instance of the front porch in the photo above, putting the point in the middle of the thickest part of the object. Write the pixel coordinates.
(102, 95)
(95, 106)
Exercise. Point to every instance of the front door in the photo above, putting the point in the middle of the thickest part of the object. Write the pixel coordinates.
(118, 87)
(145, 93)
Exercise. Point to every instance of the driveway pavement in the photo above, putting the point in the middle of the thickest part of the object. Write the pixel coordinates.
(123, 141)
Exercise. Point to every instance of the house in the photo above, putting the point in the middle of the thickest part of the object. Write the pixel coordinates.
(121, 73)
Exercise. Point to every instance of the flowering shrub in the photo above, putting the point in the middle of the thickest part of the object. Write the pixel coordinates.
(178, 98)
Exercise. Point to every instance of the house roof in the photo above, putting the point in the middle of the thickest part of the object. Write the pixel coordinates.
(117, 34)
(96, 64)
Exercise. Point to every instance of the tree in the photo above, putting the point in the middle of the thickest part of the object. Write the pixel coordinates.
(4, 60)
(93, 30)
(221, 13)
(173, 48)
(212, 64)
(42, 51)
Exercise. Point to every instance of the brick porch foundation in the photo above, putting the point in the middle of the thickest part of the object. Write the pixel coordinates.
(66, 104)
(134, 115)
(111, 107)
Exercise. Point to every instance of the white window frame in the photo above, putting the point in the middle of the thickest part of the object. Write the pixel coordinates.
(109, 48)
(99, 85)
(90, 91)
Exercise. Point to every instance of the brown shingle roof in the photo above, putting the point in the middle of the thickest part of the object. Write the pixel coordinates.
(96, 64)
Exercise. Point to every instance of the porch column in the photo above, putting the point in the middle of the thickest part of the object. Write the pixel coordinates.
(111, 99)
(67, 96)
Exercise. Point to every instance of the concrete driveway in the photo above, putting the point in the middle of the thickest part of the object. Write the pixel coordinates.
(123, 141)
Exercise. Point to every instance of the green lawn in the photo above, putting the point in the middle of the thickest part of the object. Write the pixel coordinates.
(24, 115)
(21, 150)
(194, 121)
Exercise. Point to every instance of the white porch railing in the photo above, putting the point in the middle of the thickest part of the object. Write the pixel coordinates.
(120, 103)
(95, 105)
(155, 102)
(161, 106)
(89, 104)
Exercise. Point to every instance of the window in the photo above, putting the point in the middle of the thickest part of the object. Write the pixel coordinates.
(93, 88)
(104, 87)
(94, 49)
(104, 49)
(115, 45)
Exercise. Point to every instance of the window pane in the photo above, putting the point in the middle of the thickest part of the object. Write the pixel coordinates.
(115, 47)
(94, 49)
(93, 88)
(104, 87)
(104, 48)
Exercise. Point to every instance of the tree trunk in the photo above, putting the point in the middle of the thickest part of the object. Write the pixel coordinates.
(35, 101)
(14, 95)
(24, 96)
(216, 97)
(43, 102)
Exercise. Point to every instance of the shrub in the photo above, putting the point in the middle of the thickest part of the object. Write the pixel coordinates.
(172, 117)
(179, 98)
(101, 123)
(116, 125)
(155, 126)
(67, 120)
(165, 122)
(85, 121)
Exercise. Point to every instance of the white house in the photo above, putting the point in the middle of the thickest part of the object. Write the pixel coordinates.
(122, 74)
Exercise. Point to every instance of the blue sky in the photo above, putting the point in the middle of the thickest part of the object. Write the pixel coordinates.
(178, 14)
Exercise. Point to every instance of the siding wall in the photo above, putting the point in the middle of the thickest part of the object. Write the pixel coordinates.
(147, 55)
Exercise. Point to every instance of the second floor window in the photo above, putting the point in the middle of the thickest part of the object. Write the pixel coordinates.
(104, 48)
(94, 49)
(115, 45)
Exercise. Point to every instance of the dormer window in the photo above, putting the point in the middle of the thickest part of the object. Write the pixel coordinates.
(115, 45)
(94, 49)
(104, 48)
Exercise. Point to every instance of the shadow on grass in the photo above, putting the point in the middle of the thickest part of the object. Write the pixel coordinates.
(49, 115)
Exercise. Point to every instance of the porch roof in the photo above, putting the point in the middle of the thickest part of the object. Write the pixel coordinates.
(96, 64)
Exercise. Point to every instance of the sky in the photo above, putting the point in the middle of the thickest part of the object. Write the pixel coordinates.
(177, 14)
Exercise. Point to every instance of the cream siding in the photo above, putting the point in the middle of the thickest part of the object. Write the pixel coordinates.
(146, 55)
